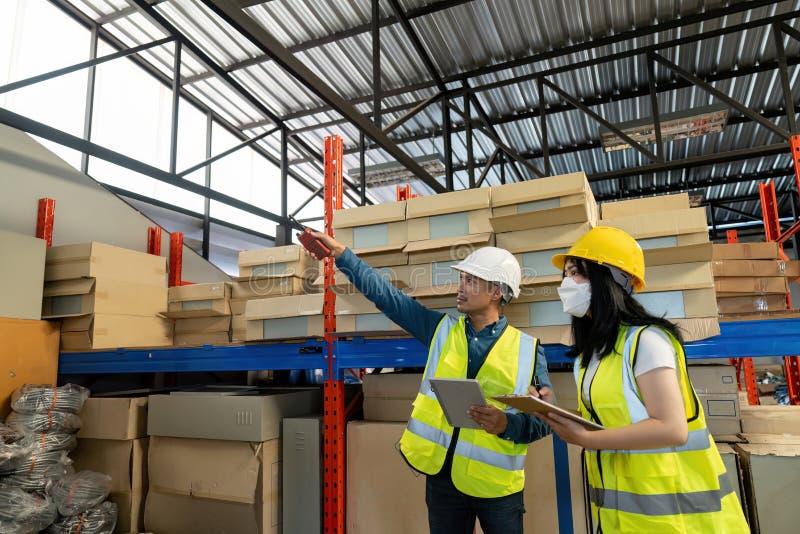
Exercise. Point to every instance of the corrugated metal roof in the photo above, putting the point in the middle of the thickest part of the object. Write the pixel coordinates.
(468, 35)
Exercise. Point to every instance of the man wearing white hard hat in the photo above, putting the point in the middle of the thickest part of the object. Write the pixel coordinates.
(470, 473)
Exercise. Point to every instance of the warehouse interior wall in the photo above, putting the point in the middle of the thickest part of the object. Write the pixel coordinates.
(85, 211)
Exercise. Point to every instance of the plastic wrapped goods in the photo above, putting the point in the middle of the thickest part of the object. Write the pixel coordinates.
(32, 398)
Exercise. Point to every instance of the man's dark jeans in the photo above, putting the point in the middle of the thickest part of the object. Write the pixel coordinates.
(452, 512)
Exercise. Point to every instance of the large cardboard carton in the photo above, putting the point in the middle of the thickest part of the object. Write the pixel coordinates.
(551, 238)
(239, 414)
(551, 201)
(756, 268)
(199, 300)
(692, 253)
(679, 276)
(21, 276)
(643, 206)
(713, 378)
(661, 224)
(268, 287)
(204, 485)
(277, 262)
(746, 251)
(449, 215)
(97, 260)
(377, 233)
(454, 202)
(202, 331)
(772, 485)
(751, 304)
(388, 396)
(238, 328)
(107, 331)
(84, 296)
(399, 507)
(397, 275)
(446, 248)
(386, 212)
(125, 461)
(737, 286)
(106, 418)
(28, 355)
(733, 471)
(779, 420)
(722, 412)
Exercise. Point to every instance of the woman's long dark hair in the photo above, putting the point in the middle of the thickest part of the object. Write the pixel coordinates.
(610, 306)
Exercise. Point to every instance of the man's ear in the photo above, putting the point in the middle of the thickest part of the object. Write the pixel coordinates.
(497, 293)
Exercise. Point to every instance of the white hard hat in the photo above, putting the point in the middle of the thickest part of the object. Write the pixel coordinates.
(496, 265)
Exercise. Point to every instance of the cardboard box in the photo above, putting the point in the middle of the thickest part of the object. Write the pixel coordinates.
(551, 201)
(28, 355)
(756, 268)
(83, 296)
(447, 248)
(277, 262)
(698, 328)
(772, 485)
(105, 331)
(238, 306)
(364, 238)
(679, 276)
(21, 276)
(751, 304)
(722, 412)
(203, 485)
(125, 461)
(268, 287)
(397, 275)
(643, 206)
(564, 387)
(386, 212)
(454, 202)
(736, 286)
(746, 251)
(238, 328)
(107, 418)
(551, 237)
(733, 471)
(713, 378)
(237, 414)
(202, 325)
(398, 508)
(662, 224)
(771, 420)
(97, 260)
(208, 338)
(449, 225)
(199, 300)
(388, 396)
(697, 252)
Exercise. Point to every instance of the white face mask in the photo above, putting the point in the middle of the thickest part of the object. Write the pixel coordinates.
(575, 297)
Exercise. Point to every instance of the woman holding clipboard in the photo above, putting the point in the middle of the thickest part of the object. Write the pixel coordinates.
(654, 468)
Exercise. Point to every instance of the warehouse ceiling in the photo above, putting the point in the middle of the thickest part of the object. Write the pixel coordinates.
(533, 84)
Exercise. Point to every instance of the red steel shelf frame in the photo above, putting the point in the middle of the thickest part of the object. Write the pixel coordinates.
(333, 389)
(44, 220)
(154, 240)
(175, 258)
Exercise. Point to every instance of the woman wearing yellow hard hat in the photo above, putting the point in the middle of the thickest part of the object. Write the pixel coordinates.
(654, 468)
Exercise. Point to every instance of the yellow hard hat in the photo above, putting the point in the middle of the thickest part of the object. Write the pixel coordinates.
(609, 246)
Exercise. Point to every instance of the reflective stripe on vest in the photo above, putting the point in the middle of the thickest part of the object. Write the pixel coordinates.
(695, 502)
(428, 432)
(489, 457)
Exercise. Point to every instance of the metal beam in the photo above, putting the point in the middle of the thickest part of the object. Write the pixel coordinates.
(376, 64)
(721, 96)
(487, 167)
(207, 181)
(416, 109)
(270, 45)
(783, 69)
(596, 116)
(82, 65)
(362, 173)
(88, 110)
(746, 215)
(651, 85)
(30, 126)
(469, 142)
(176, 98)
(446, 145)
(696, 161)
(548, 170)
(124, 193)
(228, 152)
(724, 13)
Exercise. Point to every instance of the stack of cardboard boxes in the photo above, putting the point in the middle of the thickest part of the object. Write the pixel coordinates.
(535, 220)
(272, 283)
(202, 313)
(113, 440)
(214, 459)
(107, 297)
(677, 254)
(751, 279)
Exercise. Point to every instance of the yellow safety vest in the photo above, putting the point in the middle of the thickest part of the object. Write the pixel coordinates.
(682, 489)
(483, 464)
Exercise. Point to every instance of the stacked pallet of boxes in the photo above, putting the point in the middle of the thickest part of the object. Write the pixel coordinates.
(214, 458)
(202, 313)
(535, 220)
(751, 279)
(113, 440)
(375, 506)
(106, 297)
(442, 230)
(273, 283)
(677, 256)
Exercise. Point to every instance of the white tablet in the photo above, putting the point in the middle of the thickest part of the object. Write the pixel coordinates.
(530, 404)
(456, 395)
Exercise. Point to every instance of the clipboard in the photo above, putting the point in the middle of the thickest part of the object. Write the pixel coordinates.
(455, 396)
(533, 405)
